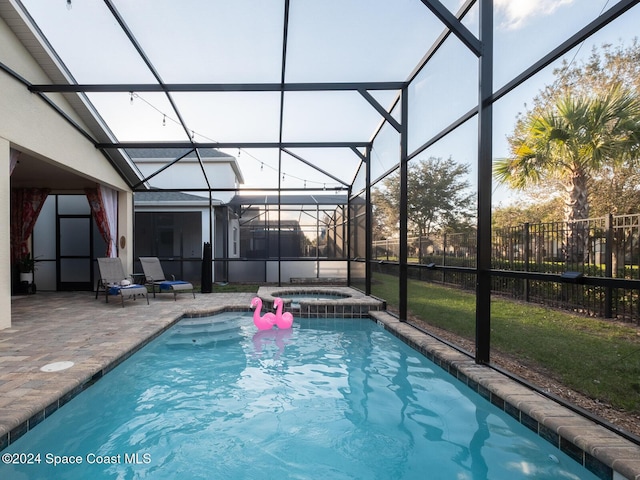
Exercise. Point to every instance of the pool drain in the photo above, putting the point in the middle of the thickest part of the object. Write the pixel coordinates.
(56, 366)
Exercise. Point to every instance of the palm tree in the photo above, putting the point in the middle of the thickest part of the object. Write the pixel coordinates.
(571, 141)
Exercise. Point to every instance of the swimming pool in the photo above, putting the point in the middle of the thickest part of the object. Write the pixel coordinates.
(330, 398)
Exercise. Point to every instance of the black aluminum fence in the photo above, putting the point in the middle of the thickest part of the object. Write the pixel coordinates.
(575, 266)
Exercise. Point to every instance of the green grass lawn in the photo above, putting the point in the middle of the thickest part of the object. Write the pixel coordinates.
(596, 357)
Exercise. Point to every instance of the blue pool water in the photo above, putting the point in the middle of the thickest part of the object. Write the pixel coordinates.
(331, 398)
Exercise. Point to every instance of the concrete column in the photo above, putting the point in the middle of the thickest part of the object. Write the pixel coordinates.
(5, 248)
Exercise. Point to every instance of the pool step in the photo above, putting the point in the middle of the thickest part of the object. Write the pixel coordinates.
(205, 331)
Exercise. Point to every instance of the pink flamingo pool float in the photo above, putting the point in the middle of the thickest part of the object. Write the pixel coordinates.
(268, 320)
(283, 320)
(264, 322)
(265, 340)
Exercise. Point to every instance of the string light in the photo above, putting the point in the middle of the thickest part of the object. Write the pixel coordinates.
(262, 165)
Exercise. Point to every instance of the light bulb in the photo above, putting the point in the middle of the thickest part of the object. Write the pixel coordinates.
(69, 5)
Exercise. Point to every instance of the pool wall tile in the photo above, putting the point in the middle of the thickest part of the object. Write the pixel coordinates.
(529, 422)
(497, 401)
(473, 385)
(512, 410)
(52, 407)
(36, 419)
(484, 392)
(572, 450)
(598, 468)
(549, 435)
(18, 431)
(601, 451)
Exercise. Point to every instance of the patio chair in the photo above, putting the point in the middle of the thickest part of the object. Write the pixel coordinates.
(114, 281)
(155, 277)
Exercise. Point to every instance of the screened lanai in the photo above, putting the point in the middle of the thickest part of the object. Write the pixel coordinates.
(321, 104)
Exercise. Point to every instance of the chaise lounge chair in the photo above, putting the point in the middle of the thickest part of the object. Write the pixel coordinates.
(114, 282)
(155, 277)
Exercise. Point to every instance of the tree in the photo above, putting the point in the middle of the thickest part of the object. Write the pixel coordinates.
(385, 214)
(615, 190)
(595, 76)
(572, 141)
(541, 211)
(438, 196)
(606, 66)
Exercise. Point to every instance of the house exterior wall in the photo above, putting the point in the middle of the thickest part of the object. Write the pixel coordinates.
(191, 249)
(219, 227)
(28, 124)
(187, 174)
(189, 226)
(5, 261)
(188, 230)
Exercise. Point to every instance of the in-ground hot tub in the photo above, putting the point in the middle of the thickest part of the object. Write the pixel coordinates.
(322, 302)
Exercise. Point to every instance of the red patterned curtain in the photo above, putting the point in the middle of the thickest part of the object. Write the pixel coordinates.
(102, 207)
(26, 204)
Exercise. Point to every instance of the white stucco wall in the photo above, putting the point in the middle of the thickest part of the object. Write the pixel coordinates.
(5, 261)
(28, 124)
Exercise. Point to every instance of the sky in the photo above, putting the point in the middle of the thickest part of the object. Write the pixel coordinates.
(329, 41)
